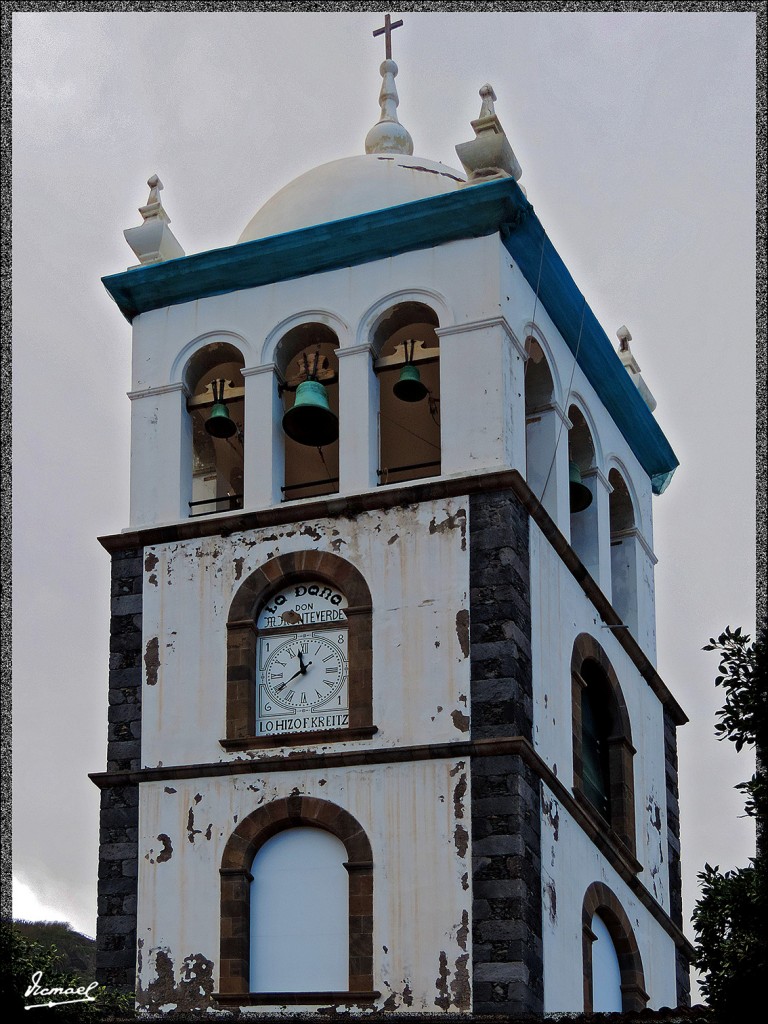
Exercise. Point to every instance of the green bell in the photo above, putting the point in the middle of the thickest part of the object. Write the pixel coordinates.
(220, 423)
(409, 387)
(310, 420)
(580, 494)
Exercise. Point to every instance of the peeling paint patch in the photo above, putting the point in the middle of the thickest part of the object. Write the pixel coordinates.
(654, 814)
(443, 999)
(461, 840)
(191, 830)
(551, 812)
(208, 831)
(460, 986)
(458, 521)
(550, 900)
(167, 851)
(407, 993)
(152, 660)
(459, 792)
(465, 881)
(310, 531)
(238, 567)
(394, 538)
(151, 561)
(194, 991)
(169, 789)
(390, 1003)
(462, 630)
(460, 720)
(198, 798)
(462, 933)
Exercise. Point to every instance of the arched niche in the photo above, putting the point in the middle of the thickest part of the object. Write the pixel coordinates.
(614, 927)
(584, 523)
(543, 426)
(244, 845)
(624, 569)
(212, 372)
(308, 350)
(409, 431)
(603, 769)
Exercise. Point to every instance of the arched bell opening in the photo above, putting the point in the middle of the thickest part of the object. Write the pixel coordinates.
(216, 410)
(583, 507)
(308, 382)
(542, 427)
(623, 550)
(408, 370)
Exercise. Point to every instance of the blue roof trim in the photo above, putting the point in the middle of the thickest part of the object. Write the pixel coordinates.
(467, 213)
(596, 356)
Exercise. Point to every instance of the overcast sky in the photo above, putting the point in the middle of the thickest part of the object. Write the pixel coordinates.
(636, 136)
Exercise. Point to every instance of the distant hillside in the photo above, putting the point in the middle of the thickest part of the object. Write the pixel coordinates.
(77, 952)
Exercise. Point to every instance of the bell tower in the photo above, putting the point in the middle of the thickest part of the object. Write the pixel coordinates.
(386, 730)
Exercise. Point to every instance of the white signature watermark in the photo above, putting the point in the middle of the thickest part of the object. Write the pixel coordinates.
(83, 992)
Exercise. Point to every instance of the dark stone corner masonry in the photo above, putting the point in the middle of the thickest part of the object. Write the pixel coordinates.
(119, 824)
(673, 848)
(506, 840)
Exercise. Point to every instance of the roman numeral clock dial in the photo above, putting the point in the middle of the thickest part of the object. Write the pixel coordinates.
(303, 670)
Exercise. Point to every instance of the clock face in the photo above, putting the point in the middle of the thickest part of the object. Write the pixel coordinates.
(303, 669)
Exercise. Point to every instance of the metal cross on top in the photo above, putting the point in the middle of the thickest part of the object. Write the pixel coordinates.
(387, 30)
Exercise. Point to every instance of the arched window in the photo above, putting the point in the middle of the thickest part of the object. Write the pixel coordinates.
(306, 355)
(613, 970)
(623, 551)
(216, 409)
(253, 941)
(299, 654)
(603, 776)
(408, 370)
(300, 913)
(542, 428)
(584, 525)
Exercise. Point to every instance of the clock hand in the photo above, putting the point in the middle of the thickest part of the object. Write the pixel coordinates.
(302, 672)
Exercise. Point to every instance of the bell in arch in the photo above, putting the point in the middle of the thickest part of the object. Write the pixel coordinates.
(409, 387)
(580, 494)
(311, 421)
(220, 423)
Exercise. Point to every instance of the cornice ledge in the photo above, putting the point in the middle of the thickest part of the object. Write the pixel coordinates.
(480, 325)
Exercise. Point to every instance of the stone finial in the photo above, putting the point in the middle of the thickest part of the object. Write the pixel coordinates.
(388, 135)
(488, 96)
(489, 155)
(632, 367)
(153, 241)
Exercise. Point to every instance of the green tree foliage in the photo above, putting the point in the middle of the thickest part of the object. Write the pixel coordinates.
(730, 917)
(22, 957)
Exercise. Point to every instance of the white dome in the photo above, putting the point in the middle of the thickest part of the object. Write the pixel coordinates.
(353, 185)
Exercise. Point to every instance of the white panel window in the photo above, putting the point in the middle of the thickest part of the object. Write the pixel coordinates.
(606, 973)
(300, 914)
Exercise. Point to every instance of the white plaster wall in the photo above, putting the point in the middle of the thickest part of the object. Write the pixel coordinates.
(569, 865)
(416, 563)
(416, 817)
(559, 612)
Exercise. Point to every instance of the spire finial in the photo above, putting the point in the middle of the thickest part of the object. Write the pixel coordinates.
(489, 155)
(387, 30)
(153, 241)
(388, 135)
